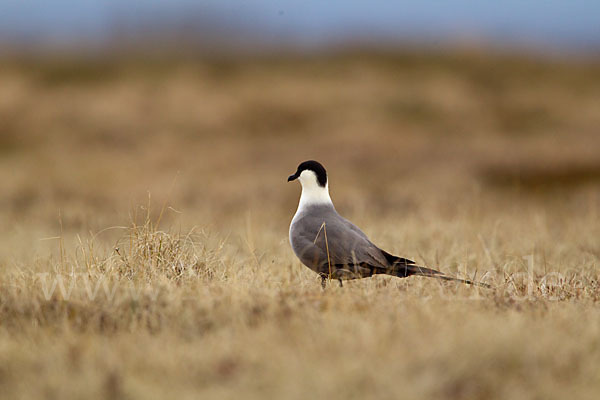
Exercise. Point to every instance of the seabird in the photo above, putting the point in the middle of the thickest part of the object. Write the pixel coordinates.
(334, 247)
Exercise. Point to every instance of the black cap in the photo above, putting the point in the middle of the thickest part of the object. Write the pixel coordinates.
(314, 166)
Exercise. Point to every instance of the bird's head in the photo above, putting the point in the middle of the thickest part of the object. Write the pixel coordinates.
(313, 177)
(310, 173)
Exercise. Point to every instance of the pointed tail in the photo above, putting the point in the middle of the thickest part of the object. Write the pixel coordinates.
(403, 267)
(403, 270)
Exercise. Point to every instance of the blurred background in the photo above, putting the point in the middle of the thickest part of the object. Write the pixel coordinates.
(464, 135)
(97, 25)
(416, 108)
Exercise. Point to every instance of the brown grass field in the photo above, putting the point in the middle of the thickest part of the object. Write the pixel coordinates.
(162, 184)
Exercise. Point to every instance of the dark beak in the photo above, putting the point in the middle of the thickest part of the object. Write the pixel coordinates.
(293, 177)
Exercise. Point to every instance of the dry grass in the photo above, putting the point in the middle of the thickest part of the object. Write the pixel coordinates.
(472, 163)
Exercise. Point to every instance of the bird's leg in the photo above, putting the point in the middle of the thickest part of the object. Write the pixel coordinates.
(341, 284)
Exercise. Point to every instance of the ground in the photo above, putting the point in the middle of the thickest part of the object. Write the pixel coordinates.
(155, 192)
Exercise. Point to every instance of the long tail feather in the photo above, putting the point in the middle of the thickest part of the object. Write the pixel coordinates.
(403, 267)
(404, 270)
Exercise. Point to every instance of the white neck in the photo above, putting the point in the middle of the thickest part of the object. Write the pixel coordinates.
(312, 192)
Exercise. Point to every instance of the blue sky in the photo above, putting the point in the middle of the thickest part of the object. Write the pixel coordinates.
(552, 23)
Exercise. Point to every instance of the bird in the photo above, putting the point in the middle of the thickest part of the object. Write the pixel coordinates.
(334, 247)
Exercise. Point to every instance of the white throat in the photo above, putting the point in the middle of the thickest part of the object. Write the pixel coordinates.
(312, 192)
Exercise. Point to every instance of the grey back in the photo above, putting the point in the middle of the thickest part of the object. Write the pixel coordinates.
(319, 230)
